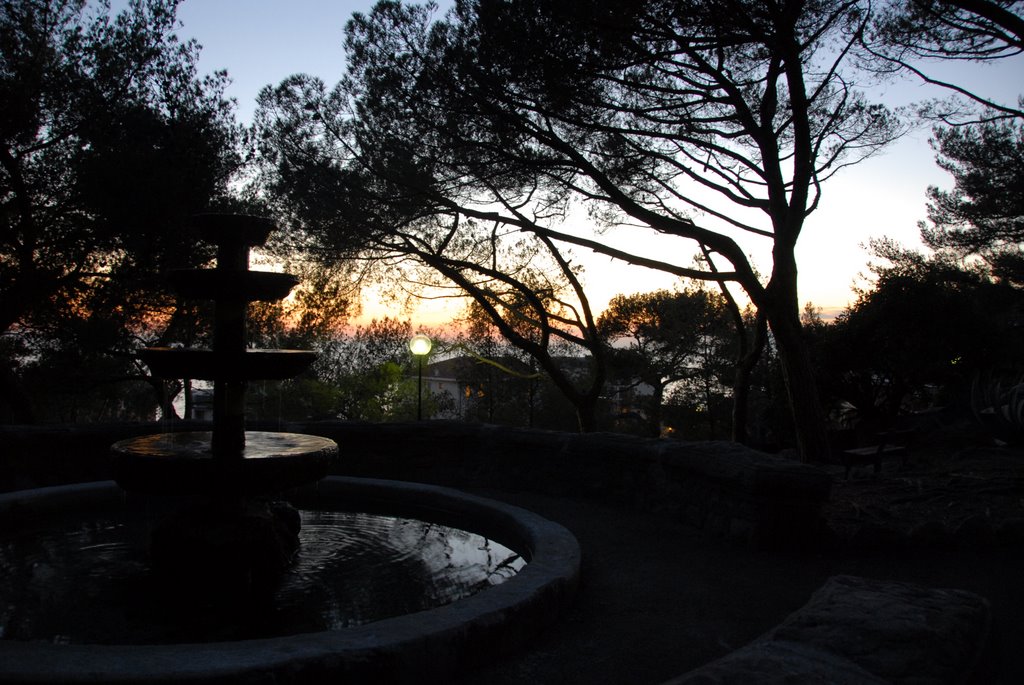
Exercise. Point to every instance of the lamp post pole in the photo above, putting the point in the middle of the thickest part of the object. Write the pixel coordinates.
(420, 347)
(419, 391)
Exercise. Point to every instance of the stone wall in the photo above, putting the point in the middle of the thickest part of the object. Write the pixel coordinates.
(725, 489)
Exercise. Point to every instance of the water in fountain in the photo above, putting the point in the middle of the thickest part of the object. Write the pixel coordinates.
(90, 582)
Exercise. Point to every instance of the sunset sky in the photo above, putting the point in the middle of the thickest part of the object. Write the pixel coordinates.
(260, 42)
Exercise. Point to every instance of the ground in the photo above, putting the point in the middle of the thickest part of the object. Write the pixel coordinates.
(657, 599)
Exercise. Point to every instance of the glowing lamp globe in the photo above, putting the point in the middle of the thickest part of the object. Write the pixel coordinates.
(420, 345)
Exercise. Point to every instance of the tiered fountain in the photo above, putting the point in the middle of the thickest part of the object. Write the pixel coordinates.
(232, 540)
(221, 545)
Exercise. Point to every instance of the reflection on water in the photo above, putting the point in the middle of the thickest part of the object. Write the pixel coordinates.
(90, 583)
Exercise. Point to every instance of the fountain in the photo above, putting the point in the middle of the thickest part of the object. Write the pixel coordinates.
(226, 533)
(233, 540)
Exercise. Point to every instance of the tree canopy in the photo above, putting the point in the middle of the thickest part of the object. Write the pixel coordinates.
(109, 140)
(983, 214)
(913, 35)
(979, 140)
(712, 122)
(918, 336)
(662, 338)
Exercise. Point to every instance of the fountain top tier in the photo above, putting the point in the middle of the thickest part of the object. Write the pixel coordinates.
(232, 286)
(221, 460)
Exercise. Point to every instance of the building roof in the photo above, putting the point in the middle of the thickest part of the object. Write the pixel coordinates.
(466, 366)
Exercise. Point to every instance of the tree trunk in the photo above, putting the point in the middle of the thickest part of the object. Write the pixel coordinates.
(586, 410)
(15, 397)
(801, 389)
(532, 401)
(780, 303)
(712, 433)
(745, 364)
(164, 399)
(654, 420)
(747, 356)
(189, 399)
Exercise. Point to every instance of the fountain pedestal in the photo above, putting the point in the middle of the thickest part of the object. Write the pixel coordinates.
(224, 550)
(232, 537)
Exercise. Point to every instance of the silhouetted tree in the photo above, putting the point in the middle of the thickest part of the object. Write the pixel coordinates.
(315, 311)
(906, 35)
(502, 383)
(370, 371)
(981, 144)
(512, 113)
(662, 338)
(983, 215)
(529, 290)
(108, 140)
(926, 325)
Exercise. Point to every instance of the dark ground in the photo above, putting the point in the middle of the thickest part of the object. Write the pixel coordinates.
(657, 600)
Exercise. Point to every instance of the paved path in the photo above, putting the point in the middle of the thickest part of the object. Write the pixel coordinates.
(657, 600)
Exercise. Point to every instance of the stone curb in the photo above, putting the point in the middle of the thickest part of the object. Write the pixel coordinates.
(425, 647)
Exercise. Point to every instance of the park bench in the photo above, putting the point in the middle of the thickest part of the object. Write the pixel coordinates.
(888, 444)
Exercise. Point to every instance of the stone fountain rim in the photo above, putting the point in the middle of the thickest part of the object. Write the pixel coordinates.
(406, 648)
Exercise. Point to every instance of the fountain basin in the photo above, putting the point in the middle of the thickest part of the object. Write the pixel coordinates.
(244, 286)
(234, 229)
(427, 646)
(183, 463)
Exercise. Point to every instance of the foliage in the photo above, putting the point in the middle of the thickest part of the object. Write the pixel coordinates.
(314, 312)
(981, 143)
(906, 35)
(977, 301)
(522, 284)
(984, 212)
(664, 339)
(919, 335)
(501, 383)
(505, 119)
(108, 140)
(693, 417)
(59, 379)
(370, 372)
(997, 401)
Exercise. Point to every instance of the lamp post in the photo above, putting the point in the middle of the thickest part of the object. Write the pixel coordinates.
(420, 347)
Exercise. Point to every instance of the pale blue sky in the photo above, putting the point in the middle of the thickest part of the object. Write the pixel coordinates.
(260, 42)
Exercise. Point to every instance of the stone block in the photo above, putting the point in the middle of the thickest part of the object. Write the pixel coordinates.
(901, 632)
(779, 663)
(860, 631)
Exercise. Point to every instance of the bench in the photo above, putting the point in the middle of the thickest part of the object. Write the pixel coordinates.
(894, 443)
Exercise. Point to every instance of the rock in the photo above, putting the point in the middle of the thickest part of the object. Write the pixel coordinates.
(860, 631)
(901, 632)
(778, 663)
